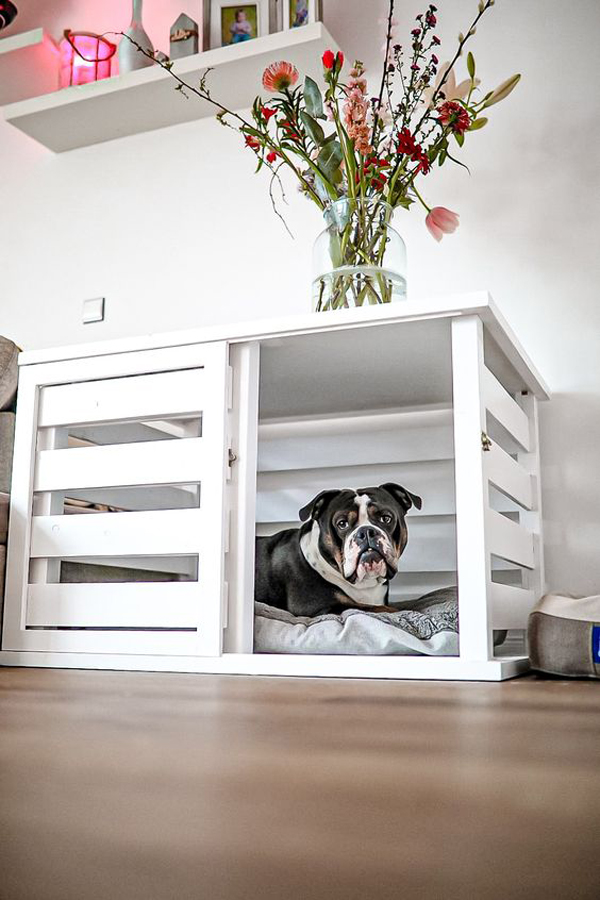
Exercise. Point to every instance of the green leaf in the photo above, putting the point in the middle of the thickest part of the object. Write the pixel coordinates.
(312, 98)
(329, 158)
(459, 138)
(442, 158)
(315, 132)
(471, 65)
(476, 124)
(404, 202)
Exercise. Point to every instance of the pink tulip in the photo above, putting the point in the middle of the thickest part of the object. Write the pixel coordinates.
(441, 221)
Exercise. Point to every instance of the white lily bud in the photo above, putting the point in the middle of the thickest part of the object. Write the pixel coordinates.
(502, 91)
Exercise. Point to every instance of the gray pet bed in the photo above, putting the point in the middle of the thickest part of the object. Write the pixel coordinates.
(428, 626)
(564, 636)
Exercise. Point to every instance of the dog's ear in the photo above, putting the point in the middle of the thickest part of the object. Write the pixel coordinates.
(316, 506)
(405, 498)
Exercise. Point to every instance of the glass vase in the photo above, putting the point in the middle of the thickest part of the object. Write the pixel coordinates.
(359, 259)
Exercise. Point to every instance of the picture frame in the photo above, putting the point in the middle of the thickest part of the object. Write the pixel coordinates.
(236, 23)
(297, 13)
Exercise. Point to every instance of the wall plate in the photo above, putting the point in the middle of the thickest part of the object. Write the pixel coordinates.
(93, 310)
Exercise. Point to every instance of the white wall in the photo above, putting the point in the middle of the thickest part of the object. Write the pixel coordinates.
(174, 230)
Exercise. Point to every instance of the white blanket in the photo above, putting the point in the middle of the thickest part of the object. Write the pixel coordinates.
(428, 626)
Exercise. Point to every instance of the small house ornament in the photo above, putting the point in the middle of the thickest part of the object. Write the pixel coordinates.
(183, 37)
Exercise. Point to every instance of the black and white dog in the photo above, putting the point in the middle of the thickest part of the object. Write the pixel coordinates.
(344, 555)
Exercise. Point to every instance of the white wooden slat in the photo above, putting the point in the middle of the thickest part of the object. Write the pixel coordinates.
(509, 476)
(176, 531)
(168, 643)
(511, 606)
(505, 409)
(375, 438)
(133, 397)
(360, 449)
(136, 605)
(161, 462)
(282, 494)
(509, 540)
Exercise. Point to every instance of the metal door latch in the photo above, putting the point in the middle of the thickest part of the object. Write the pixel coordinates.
(486, 443)
(231, 456)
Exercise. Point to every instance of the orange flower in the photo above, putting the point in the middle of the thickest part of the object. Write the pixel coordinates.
(279, 76)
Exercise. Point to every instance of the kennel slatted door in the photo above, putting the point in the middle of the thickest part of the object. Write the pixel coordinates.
(117, 515)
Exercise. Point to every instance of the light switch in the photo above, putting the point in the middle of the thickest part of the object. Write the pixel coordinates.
(93, 310)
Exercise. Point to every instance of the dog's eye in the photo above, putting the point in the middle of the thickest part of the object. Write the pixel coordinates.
(386, 519)
(342, 524)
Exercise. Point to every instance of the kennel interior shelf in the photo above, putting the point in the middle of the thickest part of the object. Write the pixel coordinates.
(146, 99)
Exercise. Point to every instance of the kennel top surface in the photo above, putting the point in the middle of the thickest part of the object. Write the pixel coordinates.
(501, 340)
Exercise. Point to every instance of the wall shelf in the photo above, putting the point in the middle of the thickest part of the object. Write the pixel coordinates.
(146, 100)
(28, 66)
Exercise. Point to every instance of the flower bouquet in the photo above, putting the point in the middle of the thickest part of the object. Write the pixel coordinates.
(359, 155)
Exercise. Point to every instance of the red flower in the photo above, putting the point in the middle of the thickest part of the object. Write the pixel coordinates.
(431, 19)
(434, 59)
(423, 160)
(453, 114)
(406, 142)
(267, 113)
(290, 130)
(435, 40)
(252, 142)
(279, 76)
(441, 221)
(272, 156)
(328, 59)
(416, 32)
(331, 60)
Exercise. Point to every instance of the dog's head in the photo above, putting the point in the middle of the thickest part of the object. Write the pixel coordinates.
(362, 533)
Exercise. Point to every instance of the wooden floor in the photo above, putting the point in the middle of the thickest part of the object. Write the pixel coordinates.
(139, 786)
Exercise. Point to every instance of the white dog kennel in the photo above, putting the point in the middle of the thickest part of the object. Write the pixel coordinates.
(199, 440)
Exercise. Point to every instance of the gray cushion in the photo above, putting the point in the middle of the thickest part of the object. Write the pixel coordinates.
(3, 517)
(428, 626)
(7, 439)
(564, 636)
(8, 372)
(2, 574)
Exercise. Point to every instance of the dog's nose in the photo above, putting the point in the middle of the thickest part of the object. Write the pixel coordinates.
(365, 534)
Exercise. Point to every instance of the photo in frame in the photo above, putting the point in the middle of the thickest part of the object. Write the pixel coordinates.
(236, 23)
(297, 13)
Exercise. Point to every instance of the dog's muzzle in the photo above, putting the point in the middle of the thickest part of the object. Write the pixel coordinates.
(369, 554)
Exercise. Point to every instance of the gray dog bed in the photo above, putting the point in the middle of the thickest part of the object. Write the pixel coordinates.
(564, 636)
(428, 626)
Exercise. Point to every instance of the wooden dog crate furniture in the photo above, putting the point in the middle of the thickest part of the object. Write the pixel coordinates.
(145, 466)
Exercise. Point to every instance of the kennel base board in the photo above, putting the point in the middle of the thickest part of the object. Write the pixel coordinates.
(429, 668)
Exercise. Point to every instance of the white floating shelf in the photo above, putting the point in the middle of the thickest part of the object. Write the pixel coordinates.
(28, 65)
(145, 100)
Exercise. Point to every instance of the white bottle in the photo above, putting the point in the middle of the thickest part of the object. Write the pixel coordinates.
(130, 58)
